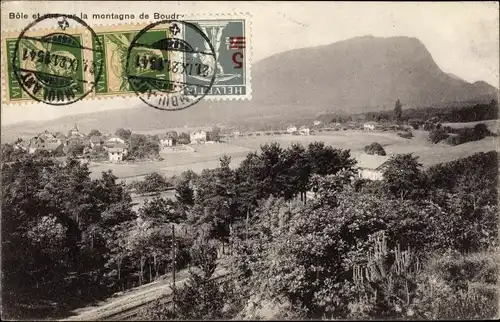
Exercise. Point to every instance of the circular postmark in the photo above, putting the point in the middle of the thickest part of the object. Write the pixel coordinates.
(171, 65)
(56, 67)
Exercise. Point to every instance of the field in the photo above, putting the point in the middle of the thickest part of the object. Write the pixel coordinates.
(204, 156)
(207, 155)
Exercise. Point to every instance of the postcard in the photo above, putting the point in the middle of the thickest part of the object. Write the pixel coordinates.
(249, 160)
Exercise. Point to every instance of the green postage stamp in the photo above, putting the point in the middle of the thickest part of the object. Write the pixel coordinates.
(59, 59)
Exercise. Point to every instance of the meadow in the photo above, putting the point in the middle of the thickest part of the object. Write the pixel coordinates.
(206, 156)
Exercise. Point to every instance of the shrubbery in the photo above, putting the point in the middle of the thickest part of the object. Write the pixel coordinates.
(405, 135)
(153, 182)
(437, 135)
(456, 286)
(375, 148)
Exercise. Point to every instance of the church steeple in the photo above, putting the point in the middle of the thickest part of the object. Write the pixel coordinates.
(74, 131)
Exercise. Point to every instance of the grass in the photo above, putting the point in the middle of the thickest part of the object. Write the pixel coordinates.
(353, 140)
(206, 156)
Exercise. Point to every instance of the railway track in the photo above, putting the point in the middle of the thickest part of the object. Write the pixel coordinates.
(127, 307)
(131, 313)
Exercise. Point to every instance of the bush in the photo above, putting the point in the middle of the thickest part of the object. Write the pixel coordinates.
(375, 148)
(415, 124)
(153, 182)
(436, 136)
(459, 287)
(454, 140)
(463, 135)
(405, 135)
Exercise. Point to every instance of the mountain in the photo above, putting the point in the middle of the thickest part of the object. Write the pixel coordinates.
(358, 72)
(351, 76)
(455, 77)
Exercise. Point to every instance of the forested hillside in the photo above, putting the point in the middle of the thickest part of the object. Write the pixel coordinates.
(357, 249)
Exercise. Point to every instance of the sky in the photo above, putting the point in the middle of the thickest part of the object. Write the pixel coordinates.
(462, 37)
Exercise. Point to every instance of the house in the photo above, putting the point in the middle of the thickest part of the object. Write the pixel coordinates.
(95, 141)
(168, 141)
(112, 141)
(43, 141)
(23, 145)
(48, 137)
(75, 133)
(198, 137)
(61, 137)
(371, 166)
(370, 125)
(291, 129)
(117, 152)
(37, 144)
(304, 130)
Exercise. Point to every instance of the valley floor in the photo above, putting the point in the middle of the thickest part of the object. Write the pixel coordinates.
(206, 156)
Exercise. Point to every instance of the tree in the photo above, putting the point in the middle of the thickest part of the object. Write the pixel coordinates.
(10, 154)
(375, 148)
(215, 134)
(57, 217)
(298, 171)
(201, 297)
(160, 210)
(94, 132)
(215, 202)
(75, 148)
(398, 111)
(184, 193)
(403, 177)
(143, 146)
(184, 138)
(437, 135)
(155, 182)
(481, 131)
(173, 134)
(124, 134)
(248, 188)
(327, 160)
(272, 170)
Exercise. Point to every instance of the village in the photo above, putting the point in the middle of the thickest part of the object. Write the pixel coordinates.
(120, 150)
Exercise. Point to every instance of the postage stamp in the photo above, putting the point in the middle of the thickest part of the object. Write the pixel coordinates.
(229, 40)
(51, 66)
(166, 72)
(99, 61)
